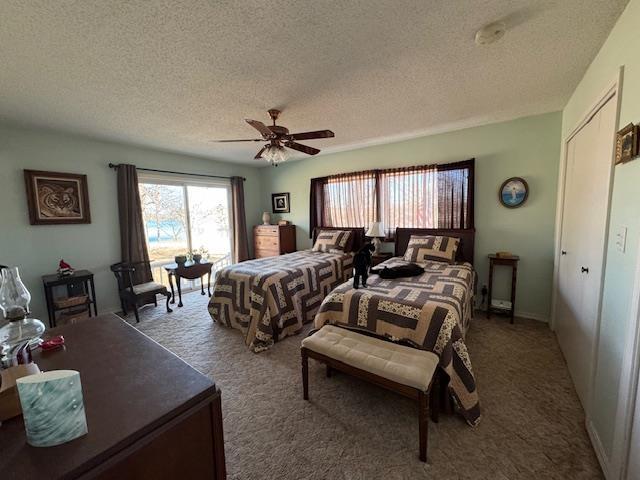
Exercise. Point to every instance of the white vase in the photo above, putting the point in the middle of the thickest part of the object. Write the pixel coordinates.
(266, 218)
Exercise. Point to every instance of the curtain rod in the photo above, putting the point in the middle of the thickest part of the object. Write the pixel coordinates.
(115, 166)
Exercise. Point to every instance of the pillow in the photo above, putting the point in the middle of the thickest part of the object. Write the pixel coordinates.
(328, 240)
(426, 248)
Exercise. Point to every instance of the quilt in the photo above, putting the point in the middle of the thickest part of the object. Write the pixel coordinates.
(271, 298)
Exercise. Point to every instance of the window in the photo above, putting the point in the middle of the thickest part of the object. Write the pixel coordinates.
(430, 196)
(183, 215)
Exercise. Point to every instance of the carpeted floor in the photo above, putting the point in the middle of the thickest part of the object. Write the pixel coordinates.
(532, 425)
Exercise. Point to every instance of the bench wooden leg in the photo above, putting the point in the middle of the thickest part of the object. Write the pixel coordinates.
(305, 373)
(423, 419)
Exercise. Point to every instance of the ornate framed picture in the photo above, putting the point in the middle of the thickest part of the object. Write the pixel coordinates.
(626, 143)
(280, 202)
(57, 198)
(513, 192)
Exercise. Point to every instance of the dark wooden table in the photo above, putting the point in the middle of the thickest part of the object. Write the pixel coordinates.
(81, 280)
(190, 271)
(512, 262)
(149, 414)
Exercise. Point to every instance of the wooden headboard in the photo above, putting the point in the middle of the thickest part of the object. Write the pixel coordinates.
(358, 235)
(465, 250)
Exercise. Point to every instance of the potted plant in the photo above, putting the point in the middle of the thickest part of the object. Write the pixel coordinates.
(199, 253)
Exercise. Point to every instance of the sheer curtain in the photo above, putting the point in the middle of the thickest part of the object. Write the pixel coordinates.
(409, 198)
(455, 195)
(427, 196)
(350, 200)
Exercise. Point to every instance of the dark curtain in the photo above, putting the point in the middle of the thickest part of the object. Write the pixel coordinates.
(316, 203)
(133, 244)
(427, 196)
(240, 238)
(455, 194)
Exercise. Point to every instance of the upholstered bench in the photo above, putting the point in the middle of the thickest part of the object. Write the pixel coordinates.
(405, 370)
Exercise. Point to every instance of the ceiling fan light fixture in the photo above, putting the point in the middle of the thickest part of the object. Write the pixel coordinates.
(275, 154)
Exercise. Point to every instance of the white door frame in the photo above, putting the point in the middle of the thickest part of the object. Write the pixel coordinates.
(627, 392)
(614, 89)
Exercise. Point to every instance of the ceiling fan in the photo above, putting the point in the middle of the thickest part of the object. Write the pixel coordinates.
(278, 137)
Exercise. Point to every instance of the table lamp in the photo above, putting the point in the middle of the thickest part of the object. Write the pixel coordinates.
(376, 231)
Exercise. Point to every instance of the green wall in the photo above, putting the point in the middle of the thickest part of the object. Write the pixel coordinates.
(36, 249)
(527, 147)
(620, 49)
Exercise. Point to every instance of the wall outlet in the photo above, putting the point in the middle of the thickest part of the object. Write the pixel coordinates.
(621, 239)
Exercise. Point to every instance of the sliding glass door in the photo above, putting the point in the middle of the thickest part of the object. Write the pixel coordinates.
(185, 216)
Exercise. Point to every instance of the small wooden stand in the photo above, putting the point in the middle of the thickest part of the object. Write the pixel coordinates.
(80, 281)
(381, 257)
(512, 262)
(190, 271)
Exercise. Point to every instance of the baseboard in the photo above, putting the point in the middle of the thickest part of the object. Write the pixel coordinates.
(599, 449)
(532, 316)
(113, 309)
(528, 315)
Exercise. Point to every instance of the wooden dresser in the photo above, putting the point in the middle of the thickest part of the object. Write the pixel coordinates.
(272, 240)
(149, 414)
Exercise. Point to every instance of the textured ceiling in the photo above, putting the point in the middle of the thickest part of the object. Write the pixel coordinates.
(174, 74)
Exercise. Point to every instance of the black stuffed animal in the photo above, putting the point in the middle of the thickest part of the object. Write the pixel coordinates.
(361, 265)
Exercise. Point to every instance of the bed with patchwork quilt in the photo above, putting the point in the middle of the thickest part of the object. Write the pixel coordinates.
(271, 298)
(430, 311)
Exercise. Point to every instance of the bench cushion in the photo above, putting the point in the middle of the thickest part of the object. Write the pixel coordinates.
(404, 365)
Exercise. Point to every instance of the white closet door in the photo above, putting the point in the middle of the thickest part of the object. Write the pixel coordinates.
(589, 158)
(571, 335)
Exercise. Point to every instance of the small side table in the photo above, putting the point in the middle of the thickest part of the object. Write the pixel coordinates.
(381, 257)
(512, 262)
(81, 279)
(190, 271)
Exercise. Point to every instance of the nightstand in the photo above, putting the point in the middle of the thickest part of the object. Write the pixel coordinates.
(381, 257)
(512, 262)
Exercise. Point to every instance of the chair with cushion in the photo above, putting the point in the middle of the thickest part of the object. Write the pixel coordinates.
(137, 295)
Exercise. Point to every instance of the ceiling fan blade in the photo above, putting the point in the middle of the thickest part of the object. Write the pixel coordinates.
(245, 140)
(302, 148)
(261, 127)
(311, 135)
(259, 154)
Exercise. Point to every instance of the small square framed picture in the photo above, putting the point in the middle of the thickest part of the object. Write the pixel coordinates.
(626, 143)
(280, 202)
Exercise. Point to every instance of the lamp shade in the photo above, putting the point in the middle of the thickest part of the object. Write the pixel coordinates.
(376, 230)
(52, 407)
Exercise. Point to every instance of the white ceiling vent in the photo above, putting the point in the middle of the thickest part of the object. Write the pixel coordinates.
(490, 33)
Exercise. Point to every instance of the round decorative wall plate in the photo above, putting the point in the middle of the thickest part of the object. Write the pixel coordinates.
(513, 192)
